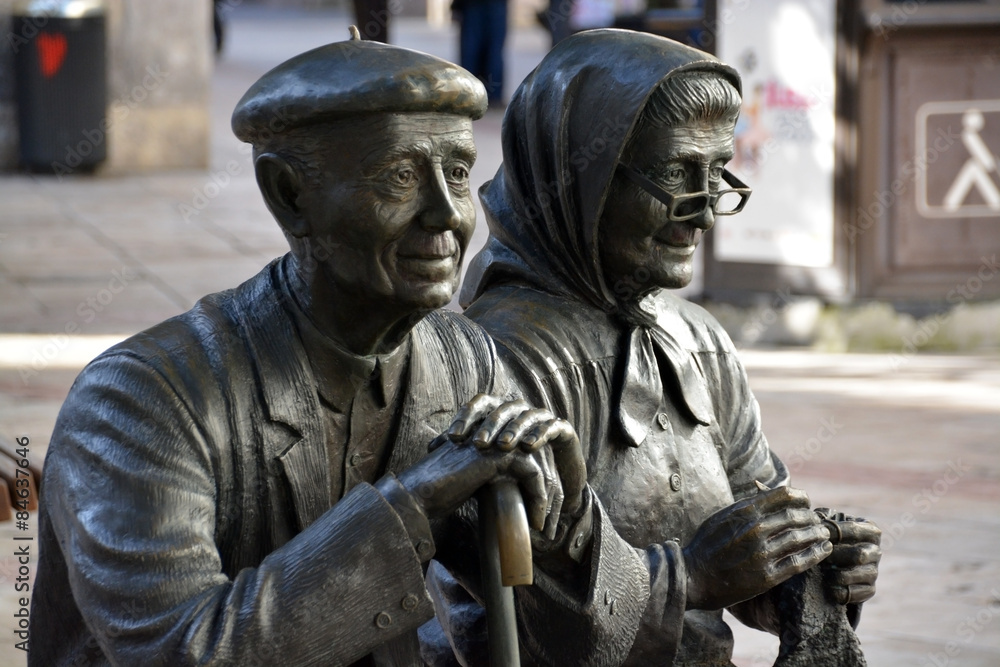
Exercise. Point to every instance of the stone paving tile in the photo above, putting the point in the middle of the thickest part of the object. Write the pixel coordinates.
(21, 201)
(194, 280)
(193, 242)
(95, 309)
(17, 305)
(253, 232)
(39, 253)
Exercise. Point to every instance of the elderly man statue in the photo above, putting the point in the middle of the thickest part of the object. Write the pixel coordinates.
(220, 488)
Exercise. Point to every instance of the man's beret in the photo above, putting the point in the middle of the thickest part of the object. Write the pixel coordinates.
(350, 78)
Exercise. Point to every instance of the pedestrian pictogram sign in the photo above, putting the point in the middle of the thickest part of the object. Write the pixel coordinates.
(958, 174)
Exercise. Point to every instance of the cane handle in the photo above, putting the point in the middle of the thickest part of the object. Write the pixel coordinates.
(513, 538)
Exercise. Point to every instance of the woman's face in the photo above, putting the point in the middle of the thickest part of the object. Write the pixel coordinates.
(641, 249)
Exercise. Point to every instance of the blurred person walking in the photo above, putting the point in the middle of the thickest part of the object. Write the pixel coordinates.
(483, 33)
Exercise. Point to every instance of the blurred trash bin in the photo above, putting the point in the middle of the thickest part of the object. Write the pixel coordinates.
(61, 84)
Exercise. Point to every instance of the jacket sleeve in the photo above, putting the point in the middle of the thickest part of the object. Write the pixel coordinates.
(132, 491)
(747, 456)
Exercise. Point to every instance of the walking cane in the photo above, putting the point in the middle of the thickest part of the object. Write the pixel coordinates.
(505, 561)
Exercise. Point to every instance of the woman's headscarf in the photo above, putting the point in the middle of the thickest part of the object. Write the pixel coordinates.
(563, 135)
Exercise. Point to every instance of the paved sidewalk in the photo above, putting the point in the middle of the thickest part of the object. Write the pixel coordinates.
(913, 444)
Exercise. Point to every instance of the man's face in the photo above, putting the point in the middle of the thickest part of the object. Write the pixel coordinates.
(641, 249)
(391, 214)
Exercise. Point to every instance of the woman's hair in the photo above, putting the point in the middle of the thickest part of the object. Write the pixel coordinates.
(690, 96)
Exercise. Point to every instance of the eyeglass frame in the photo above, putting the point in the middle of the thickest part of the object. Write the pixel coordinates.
(672, 201)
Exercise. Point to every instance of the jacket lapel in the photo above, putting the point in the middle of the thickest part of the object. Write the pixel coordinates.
(293, 439)
(430, 402)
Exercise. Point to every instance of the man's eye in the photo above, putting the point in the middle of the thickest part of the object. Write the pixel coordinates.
(715, 173)
(404, 177)
(459, 174)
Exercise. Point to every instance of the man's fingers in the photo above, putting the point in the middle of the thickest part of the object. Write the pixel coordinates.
(532, 484)
(553, 489)
(556, 433)
(487, 431)
(470, 415)
(437, 442)
(552, 520)
(561, 437)
(514, 432)
(772, 501)
(553, 486)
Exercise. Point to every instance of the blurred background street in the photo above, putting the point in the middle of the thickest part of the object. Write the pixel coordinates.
(904, 434)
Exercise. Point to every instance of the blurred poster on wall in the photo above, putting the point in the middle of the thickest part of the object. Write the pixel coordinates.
(785, 53)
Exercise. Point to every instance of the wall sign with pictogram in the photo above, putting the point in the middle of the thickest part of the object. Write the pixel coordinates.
(926, 215)
(973, 189)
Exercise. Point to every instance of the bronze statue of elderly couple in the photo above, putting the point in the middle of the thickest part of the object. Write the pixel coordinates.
(266, 478)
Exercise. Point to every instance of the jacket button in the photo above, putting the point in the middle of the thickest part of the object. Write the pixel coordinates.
(355, 459)
(423, 548)
(383, 620)
(675, 482)
(409, 603)
(663, 420)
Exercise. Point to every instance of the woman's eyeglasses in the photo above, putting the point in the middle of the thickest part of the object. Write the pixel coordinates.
(688, 206)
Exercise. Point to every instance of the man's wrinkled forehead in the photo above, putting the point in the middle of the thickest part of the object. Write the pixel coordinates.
(379, 139)
(416, 135)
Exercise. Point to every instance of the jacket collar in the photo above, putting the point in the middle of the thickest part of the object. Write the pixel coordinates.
(295, 434)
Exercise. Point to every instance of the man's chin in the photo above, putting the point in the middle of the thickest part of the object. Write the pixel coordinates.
(429, 295)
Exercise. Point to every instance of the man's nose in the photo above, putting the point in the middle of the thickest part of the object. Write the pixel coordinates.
(439, 212)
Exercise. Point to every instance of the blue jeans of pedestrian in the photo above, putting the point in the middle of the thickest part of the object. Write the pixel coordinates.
(484, 29)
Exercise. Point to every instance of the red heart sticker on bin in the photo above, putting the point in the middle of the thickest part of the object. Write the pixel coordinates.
(51, 52)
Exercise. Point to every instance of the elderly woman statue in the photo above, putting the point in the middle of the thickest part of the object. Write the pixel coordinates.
(615, 152)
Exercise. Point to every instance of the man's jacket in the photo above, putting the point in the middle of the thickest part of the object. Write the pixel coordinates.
(185, 500)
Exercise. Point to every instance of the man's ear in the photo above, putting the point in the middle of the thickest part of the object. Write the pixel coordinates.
(281, 184)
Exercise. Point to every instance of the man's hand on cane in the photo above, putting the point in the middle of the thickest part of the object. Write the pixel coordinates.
(491, 439)
(490, 424)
